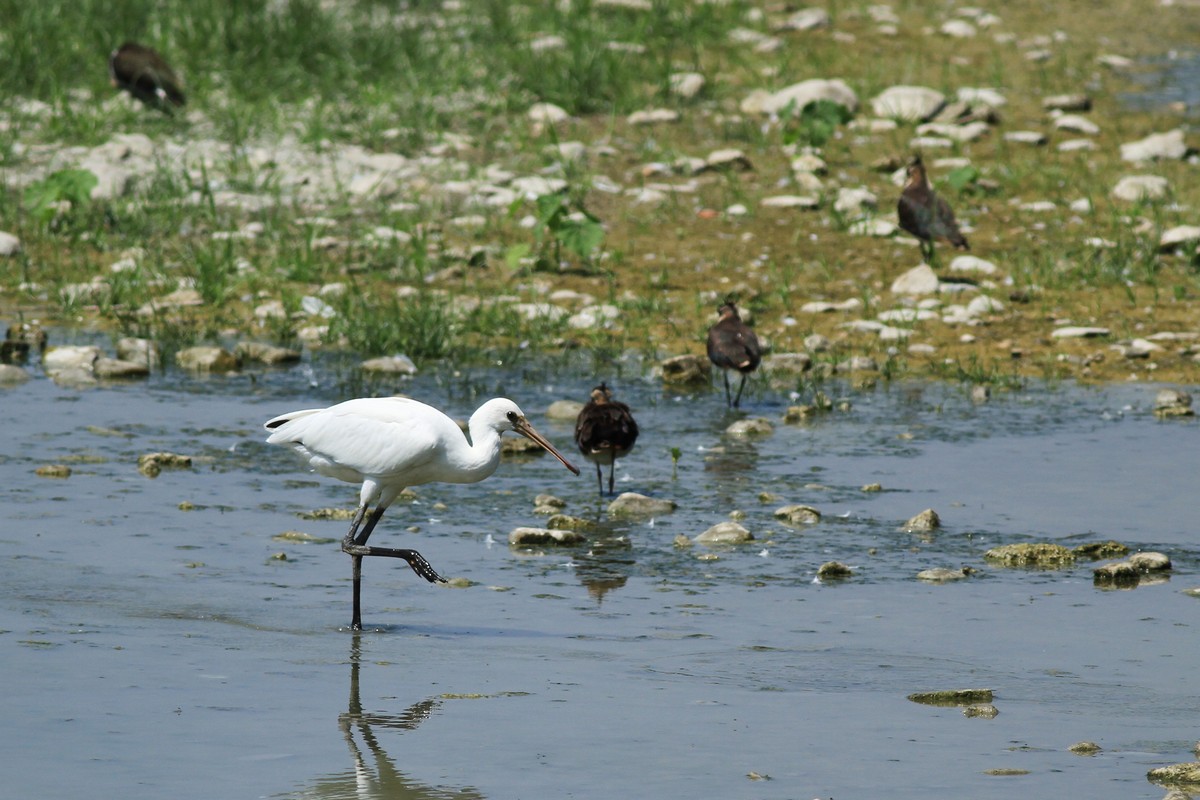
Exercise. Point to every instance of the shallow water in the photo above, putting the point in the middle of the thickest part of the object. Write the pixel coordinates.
(151, 651)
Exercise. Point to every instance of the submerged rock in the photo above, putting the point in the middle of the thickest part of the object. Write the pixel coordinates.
(1098, 550)
(118, 368)
(725, 533)
(632, 504)
(151, 464)
(1031, 555)
(1188, 772)
(833, 570)
(798, 515)
(952, 697)
(944, 574)
(1172, 403)
(549, 501)
(11, 375)
(752, 426)
(53, 471)
(1118, 573)
(266, 353)
(1085, 748)
(566, 522)
(981, 710)
(564, 410)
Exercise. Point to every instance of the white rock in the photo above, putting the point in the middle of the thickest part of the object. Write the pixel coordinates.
(854, 200)
(907, 315)
(958, 133)
(920, 279)
(1025, 137)
(1179, 235)
(1140, 187)
(535, 186)
(806, 19)
(395, 365)
(808, 183)
(910, 103)
(823, 307)
(972, 264)
(1039, 206)
(982, 96)
(67, 357)
(790, 201)
(1076, 145)
(316, 307)
(1078, 332)
(880, 228)
(809, 162)
(653, 116)
(801, 94)
(1076, 124)
(1169, 146)
(984, 305)
(958, 29)
(9, 244)
(548, 113)
(686, 84)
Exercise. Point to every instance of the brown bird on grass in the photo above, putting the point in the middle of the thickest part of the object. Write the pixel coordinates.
(733, 345)
(605, 431)
(926, 215)
(144, 73)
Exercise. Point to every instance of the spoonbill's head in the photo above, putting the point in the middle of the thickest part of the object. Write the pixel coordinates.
(503, 415)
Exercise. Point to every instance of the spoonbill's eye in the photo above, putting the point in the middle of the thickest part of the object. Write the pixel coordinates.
(512, 417)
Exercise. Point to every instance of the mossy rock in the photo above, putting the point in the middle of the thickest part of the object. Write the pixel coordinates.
(1187, 773)
(565, 522)
(1095, 551)
(798, 515)
(834, 570)
(521, 537)
(1042, 554)
(952, 697)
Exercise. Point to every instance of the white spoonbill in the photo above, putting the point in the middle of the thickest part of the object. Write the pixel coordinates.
(390, 443)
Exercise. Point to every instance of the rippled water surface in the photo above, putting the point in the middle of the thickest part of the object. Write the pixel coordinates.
(151, 651)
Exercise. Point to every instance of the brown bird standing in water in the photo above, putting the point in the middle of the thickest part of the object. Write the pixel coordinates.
(733, 345)
(143, 73)
(605, 431)
(926, 215)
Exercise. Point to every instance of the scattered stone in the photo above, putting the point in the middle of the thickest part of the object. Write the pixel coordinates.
(1035, 138)
(10, 375)
(564, 410)
(548, 113)
(1186, 773)
(927, 520)
(725, 533)
(1076, 124)
(520, 537)
(653, 116)
(70, 357)
(952, 697)
(686, 369)
(566, 522)
(958, 29)
(1085, 748)
(728, 159)
(632, 504)
(1031, 555)
(806, 19)
(1150, 561)
(1179, 236)
(787, 363)
(206, 359)
(1076, 145)
(1168, 146)
(920, 279)
(1136, 188)
(798, 515)
(53, 471)
(751, 426)
(833, 570)
(1067, 102)
(141, 351)
(391, 365)
(872, 487)
(944, 574)
(266, 353)
(118, 368)
(1172, 403)
(908, 103)
(981, 710)
(151, 464)
(9, 244)
(801, 94)
(876, 227)
(686, 84)
(1098, 550)
(1078, 332)
(802, 202)
(299, 537)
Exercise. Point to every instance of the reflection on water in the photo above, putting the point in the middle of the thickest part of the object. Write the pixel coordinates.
(375, 775)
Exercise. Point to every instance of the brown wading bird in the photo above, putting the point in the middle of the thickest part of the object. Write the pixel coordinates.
(143, 73)
(605, 431)
(733, 345)
(924, 214)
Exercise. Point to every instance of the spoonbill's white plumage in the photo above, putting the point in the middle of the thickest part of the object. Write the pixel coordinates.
(390, 443)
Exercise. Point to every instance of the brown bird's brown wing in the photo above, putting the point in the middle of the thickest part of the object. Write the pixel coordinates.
(607, 426)
(142, 72)
(945, 226)
(733, 345)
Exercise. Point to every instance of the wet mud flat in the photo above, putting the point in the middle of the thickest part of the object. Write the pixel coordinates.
(162, 635)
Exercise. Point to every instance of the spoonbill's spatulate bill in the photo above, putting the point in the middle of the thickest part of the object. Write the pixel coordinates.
(390, 443)
(733, 345)
(605, 431)
(925, 214)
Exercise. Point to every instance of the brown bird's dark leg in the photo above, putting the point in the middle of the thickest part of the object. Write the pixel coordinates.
(737, 400)
(599, 479)
(725, 376)
(612, 468)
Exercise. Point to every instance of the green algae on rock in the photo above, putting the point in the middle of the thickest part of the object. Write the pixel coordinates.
(952, 697)
(1031, 555)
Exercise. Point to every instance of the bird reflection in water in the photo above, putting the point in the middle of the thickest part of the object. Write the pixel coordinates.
(605, 567)
(375, 775)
